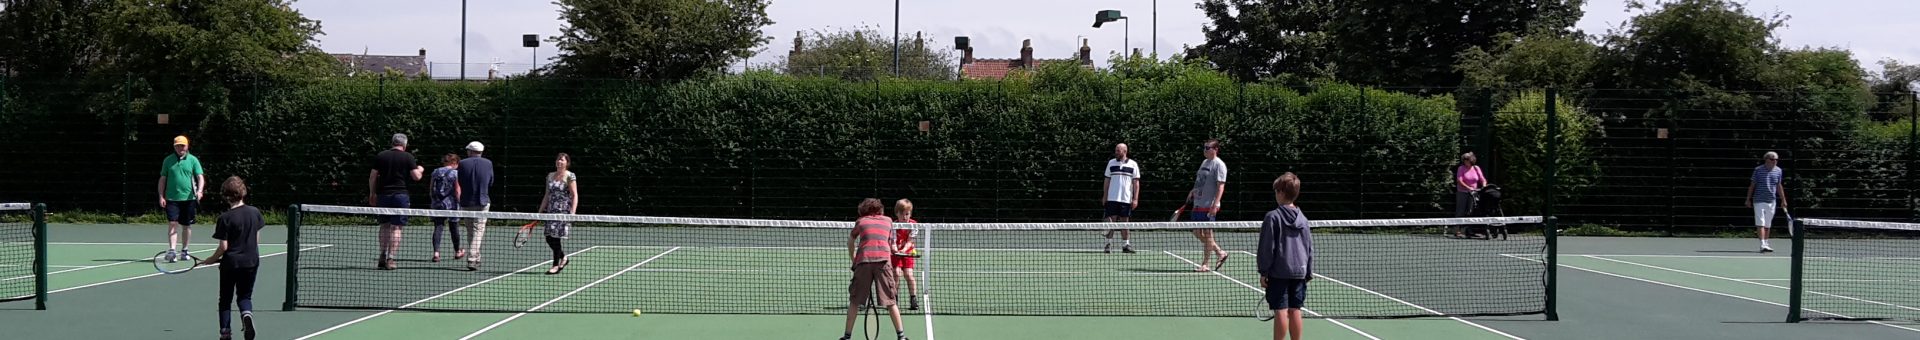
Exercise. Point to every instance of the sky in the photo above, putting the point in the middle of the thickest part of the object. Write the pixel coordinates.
(1872, 29)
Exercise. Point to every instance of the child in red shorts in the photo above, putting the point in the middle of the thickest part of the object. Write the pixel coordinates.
(904, 251)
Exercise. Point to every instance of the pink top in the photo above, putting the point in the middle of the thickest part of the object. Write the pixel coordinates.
(1468, 178)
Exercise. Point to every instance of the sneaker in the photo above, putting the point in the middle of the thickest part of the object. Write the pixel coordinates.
(902, 336)
(846, 337)
(1766, 249)
(226, 334)
(246, 324)
(1107, 249)
(171, 256)
(1126, 249)
(913, 303)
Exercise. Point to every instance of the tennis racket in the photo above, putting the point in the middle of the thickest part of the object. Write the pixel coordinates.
(1261, 311)
(1181, 210)
(1791, 228)
(526, 232)
(178, 263)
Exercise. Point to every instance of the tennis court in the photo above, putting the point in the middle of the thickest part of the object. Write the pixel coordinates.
(1611, 287)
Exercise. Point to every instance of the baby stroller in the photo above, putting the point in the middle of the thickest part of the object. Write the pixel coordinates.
(1486, 203)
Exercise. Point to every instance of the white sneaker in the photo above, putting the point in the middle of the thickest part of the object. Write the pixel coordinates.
(172, 256)
(1766, 249)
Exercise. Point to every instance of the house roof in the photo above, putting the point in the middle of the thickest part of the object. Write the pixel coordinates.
(407, 64)
(999, 68)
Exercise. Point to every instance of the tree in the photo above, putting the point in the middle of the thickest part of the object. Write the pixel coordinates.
(195, 56)
(1379, 42)
(659, 40)
(861, 54)
(49, 39)
(1714, 44)
(1533, 61)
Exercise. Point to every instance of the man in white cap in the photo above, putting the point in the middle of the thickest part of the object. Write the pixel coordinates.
(393, 170)
(1764, 193)
(181, 184)
(476, 180)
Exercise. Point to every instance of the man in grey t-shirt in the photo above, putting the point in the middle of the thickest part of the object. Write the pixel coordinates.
(1208, 185)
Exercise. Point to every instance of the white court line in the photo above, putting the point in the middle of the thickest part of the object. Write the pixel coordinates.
(1425, 309)
(1831, 280)
(1751, 282)
(431, 298)
(564, 296)
(148, 259)
(1702, 290)
(1056, 250)
(1263, 292)
(1757, 257)
(692, 270)
(158, 274)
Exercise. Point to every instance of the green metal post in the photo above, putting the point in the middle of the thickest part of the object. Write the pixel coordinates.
(293, 258)
(40, 272)
(1553, 222)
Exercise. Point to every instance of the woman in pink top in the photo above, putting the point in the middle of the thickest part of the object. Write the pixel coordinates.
(1466, 179)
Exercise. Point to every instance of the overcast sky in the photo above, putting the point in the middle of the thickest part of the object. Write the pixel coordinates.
(1872, 29)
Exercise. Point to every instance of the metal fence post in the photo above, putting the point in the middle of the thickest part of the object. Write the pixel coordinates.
(293, 258)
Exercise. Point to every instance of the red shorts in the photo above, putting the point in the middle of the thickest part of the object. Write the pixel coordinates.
(903, 262)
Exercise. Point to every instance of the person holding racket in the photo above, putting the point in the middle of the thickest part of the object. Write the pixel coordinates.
(238, 230)
(182, 182)
(562, 197)
(1764, 193)
(870, 247)
(1285, 257)
(393, 169)
(476, 182)
(1122, 195)
(904, 251)
(1209, 184)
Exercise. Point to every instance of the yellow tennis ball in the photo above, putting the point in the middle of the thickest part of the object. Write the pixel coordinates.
(636, 313)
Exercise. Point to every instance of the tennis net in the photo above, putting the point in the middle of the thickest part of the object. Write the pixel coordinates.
(21, 275)
(1855, 270)
(1366, 268)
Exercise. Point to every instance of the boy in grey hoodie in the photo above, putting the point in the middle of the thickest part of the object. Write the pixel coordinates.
(1285, 257)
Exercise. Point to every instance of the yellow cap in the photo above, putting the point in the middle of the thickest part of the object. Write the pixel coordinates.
(180, 140)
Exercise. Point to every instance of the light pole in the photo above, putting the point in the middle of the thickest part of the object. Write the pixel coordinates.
(1156, 29)
(1111, 15)
(463, 39)
(896, 38)
(532, 41)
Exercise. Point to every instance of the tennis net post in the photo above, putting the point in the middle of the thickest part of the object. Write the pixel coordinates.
(293, 258)
(1553, 268)
(40, 256)
(1794, 286)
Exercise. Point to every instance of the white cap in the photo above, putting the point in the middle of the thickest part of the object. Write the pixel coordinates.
(475, 146)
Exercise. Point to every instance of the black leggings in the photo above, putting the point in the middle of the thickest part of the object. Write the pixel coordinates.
(554, 243)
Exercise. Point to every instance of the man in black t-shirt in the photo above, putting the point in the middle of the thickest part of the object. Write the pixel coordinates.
(393, 169)
(239, 256)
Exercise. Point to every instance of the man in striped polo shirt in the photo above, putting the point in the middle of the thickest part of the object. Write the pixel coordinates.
(1764, 193)
(870, 246)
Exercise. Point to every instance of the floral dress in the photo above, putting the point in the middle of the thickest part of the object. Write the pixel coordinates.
(559, 201)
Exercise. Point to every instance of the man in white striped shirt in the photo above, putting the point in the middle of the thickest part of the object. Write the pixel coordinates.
(1122, 195)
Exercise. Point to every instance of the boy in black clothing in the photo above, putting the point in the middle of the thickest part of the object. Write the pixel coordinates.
(239, 256)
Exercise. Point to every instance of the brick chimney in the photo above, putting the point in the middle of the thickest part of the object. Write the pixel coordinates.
(919, 43)
(966, 55)
(1086, 53)
(423, 53)
(1026, 53)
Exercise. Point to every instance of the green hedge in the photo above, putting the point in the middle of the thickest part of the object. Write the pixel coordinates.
(764, 145)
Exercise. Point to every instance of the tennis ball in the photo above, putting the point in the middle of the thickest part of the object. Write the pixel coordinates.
(636, 313)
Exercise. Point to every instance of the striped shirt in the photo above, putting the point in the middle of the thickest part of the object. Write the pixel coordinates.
(874, 237)
(1764, 182)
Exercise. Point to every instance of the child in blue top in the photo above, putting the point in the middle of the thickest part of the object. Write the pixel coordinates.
(1285, 257)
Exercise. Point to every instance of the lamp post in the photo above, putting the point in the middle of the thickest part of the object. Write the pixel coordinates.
(532, 41)
(896, 38)
(1111, 15)
(463, 39)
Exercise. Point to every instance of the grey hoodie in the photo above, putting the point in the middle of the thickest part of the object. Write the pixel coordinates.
(1286, 245)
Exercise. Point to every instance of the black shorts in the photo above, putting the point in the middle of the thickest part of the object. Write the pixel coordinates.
(182, 211)
(1286, 293)
(1119, 209)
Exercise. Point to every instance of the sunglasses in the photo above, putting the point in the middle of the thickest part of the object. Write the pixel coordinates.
(1204, 147)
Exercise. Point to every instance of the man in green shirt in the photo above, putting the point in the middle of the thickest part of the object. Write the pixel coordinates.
(181, 182)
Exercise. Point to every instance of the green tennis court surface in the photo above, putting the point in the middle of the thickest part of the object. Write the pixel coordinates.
(1611, 288)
